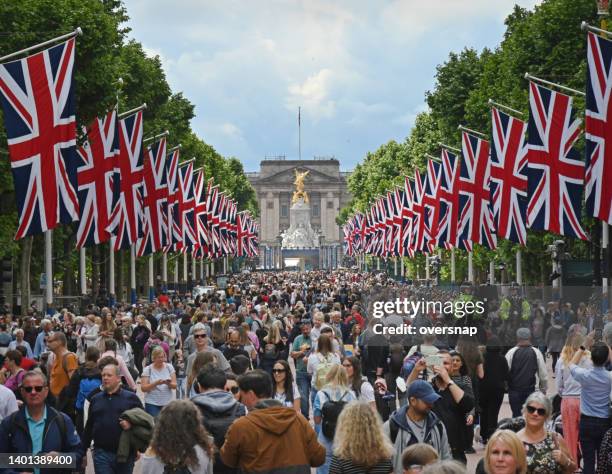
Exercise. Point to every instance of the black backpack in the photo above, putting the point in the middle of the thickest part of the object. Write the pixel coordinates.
(329, 413)
(217, 425)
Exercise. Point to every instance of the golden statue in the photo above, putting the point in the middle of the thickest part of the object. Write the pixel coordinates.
(299, 187)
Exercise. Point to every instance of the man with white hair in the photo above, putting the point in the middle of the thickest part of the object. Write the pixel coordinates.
(21, 342)
(41, 340)
(200, 338)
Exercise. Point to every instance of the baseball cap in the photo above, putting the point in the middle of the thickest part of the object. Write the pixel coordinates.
(423, 391)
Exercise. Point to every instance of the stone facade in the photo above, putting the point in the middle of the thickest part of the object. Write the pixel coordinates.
(326, 186)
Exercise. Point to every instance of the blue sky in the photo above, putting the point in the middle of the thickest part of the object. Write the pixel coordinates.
(358, 68)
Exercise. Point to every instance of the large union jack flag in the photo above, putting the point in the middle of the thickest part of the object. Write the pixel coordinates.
(508, 176)
(174, 235)
(421, 219)
(38, 102)
(475, 215)
(200, 219)
(598, 129)
(407, 219)
(449, 200)
(431, 200)
(155, 200)
(212, 215)
(185, 207)
(555, 174)
(125, 221)
(96, 179)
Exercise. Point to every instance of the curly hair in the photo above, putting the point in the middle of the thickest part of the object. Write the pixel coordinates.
(371, 446)
(178, 430)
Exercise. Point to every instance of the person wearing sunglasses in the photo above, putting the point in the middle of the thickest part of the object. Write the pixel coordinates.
(546, 450)
(201, 339)
(37, 427)
(285, 389)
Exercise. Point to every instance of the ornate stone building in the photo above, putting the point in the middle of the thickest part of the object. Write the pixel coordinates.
(325, 184)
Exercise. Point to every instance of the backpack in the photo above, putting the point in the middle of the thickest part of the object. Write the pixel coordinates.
(86, 386)
(323, 369)
(329, 414)
(217, 425)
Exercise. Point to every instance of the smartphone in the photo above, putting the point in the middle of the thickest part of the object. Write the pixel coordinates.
(433, 360)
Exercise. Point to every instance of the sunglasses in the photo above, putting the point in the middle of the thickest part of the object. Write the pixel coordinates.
(278, 371)
(199, 336)
(532, 410)
(347, 365)
(38, 388)
(234, 390)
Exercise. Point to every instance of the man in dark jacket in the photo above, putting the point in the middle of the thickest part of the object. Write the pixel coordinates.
(104, 426)
(38, 428)
(219, 410)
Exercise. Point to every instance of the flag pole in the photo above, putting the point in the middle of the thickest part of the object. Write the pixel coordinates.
(492, 103)
(492, 272)
(448, 147)
(584, 26)
(132, 111)
(151, 280)
(164, 272)
(154, 138)
(472, 132)
(193, 270)
(470, 267)
(82, 268)
(519, 268)
(49, 270)
(133, 274)
(185, 268)
(76, 32)
(176, 273)
(300, 133)
(531, 78)
(453, 268)
(202, 276)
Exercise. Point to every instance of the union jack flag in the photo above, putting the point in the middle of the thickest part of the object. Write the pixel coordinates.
(397, 201)
(155, 200)
(407, 219)
(598, 129)
(201, 223)
(96, 179)
(431, 200)
(449, 200)
(212, 205)
(252, 238)
(38, 103)
(419, 225)
(174, 235)
(185, 207)
(508, 176)
(242, 222)
(475, 215)
(555, 174)
(125, 221)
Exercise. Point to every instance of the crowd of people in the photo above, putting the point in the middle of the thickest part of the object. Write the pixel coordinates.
(286, 372)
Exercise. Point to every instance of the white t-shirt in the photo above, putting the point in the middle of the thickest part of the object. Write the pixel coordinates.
(366, 393)
(162, 394)
(282, 397)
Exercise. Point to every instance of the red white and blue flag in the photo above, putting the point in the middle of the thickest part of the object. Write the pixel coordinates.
(475, 214)
(174, 235)
(598, 128)
(407, 219)
(96, 180)
(185, 209)
(125, 221)
(509, 176)
(449, 200)
(38, 101)
(155, 200)
(421, 219)
(555, 174)
(201, 222)
(431, 200)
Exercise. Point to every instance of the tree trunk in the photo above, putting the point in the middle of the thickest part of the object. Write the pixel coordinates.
(24, 273)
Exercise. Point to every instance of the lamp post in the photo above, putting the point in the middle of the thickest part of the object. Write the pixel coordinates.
(321, 251)
(281, 263)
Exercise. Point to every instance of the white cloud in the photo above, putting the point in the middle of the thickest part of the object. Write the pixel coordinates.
(358, 69)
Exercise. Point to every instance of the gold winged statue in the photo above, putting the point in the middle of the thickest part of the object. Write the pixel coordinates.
(299, 187)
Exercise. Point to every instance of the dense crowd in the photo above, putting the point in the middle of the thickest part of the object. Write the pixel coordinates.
(285, 372)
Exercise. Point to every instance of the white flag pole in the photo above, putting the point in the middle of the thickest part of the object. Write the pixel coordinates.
(165, 272)
(133, 297)
(111, 272)
(82, 275)
(492, 272)
(453, 268)
(151, 279)
(48, 270)
(470, 268)
(176, 273)
(519, 268)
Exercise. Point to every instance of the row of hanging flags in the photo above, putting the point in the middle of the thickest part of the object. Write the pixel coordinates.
(115, 189)
(501, 187)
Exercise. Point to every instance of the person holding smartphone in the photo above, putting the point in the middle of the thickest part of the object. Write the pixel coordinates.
(158, 380)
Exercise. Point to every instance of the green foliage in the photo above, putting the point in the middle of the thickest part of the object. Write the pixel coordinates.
(546, 42)
(103, 56)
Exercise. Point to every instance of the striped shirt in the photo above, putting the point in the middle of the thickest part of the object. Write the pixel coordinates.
(343, 466)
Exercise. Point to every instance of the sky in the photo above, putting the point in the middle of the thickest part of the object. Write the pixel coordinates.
(359, 69)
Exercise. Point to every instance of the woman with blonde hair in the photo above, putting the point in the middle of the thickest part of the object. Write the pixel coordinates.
(180, 442)
(505, 454)
(368, 452)
(336, 389)
(569, 390)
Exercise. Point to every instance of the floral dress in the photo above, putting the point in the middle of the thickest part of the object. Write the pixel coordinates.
(540, 458)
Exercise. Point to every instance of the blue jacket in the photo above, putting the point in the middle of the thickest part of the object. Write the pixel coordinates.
(15, 438)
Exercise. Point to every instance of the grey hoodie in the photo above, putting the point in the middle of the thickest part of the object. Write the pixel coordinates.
(435, 435)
